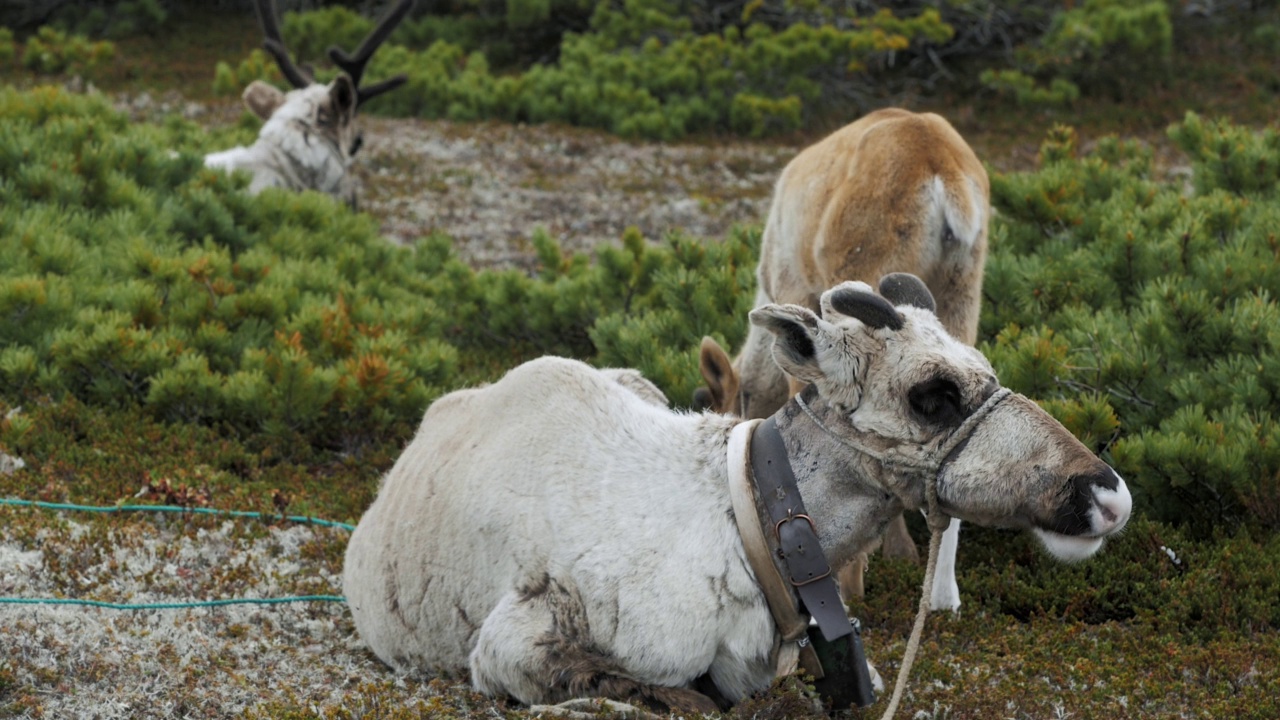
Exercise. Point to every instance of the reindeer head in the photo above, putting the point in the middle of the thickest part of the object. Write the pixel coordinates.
(918, 406)
(312, 127)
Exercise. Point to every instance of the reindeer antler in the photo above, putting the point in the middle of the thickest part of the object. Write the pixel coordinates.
(274, 44)
(353, 64)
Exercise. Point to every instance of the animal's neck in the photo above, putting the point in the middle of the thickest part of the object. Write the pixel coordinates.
(848, 508)
(303, 159)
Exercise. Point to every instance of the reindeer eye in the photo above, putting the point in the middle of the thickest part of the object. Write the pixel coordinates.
(948, 235)
(936, 401)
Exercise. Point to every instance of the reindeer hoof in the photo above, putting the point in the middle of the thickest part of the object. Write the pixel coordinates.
(946, 595)
(592, 708)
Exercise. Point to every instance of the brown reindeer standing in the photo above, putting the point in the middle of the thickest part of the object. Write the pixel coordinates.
(310, 135)
(895, 191)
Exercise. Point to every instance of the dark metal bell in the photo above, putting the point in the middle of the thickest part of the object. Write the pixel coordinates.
(846, 680)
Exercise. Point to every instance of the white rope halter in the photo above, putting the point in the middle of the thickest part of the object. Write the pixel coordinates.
(938, 520)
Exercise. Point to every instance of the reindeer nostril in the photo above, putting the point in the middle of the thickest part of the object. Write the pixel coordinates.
(1113, 504)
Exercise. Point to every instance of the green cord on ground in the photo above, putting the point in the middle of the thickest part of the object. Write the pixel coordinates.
(302, 519)
(173, 509)
(172, 605)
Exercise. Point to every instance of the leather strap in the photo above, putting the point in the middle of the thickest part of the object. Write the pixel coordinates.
(794, 531)
(791, 624)
(793, 650)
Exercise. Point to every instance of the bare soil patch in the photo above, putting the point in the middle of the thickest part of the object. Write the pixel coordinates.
(491, 186)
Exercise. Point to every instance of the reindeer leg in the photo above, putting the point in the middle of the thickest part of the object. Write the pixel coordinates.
(536, 646)
(849, 578)
(898, 542)
(946, 592)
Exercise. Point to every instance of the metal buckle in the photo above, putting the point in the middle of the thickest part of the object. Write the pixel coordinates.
(777, 528)
(777, 533)
(826, 574)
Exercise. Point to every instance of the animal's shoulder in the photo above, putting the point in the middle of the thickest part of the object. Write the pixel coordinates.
(558, 374)
(549, 382)
(637, 383)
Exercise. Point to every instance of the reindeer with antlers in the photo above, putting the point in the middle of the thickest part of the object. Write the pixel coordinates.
(310, 135)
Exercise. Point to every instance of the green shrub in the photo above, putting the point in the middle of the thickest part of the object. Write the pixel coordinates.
(1228, 158)
(1266, 36)
(1024, 90)
(51, 51)
(113, 19)
(7, 49)
(1142, 315)
(134, 17)
(1108, 293)
(668, 68)
(133, 278)
(640, 69)
(229, 81)
(309, 34)
(1112, 46)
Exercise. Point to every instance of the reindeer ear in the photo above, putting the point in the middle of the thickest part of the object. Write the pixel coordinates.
(722, 380)
(262, 99)
(795, 330)
(853, 300)
(907, 289)
(343, 94)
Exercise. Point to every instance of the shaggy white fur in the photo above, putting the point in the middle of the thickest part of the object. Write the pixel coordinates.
(304, 144)
(560, 535)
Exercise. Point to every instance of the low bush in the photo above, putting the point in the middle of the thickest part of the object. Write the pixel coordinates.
(669, 68)
(1085, 47)
(114, 19)
(1141, 314)
(639, 68)
(137, 278)
(1155, 575)
(258, 65)
(1145, 313)
(51, 51)
(7, 49)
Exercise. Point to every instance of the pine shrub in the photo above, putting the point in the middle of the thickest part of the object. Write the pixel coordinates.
(136, 278)
(1140, 313)
(308, 35)
(1081, 49)
(7, 49)
(638, 68)
(258, 65)
(51, 51)
(669, 68)
(1143, 314)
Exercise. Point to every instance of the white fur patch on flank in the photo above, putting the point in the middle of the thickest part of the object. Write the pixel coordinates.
(965, 222)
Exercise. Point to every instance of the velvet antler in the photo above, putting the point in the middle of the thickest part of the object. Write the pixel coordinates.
(274, 44)
(353, 64)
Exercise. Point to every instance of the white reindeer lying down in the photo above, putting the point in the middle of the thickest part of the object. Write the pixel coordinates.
(309, 136)
(559, 535)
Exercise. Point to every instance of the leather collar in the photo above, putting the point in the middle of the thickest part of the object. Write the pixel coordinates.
(795, 533)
